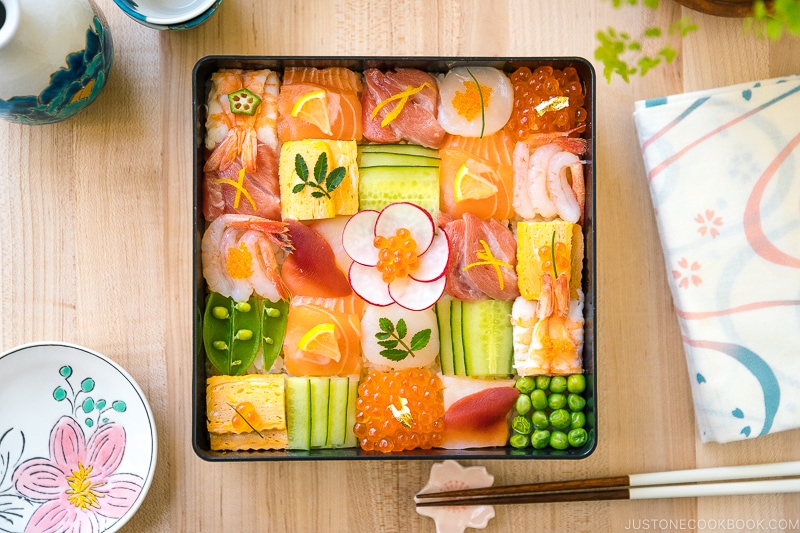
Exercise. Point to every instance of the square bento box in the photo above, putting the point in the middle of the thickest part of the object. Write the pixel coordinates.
(347, 445)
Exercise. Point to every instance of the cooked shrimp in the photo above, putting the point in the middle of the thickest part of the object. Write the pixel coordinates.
(564, 198)
(576, 145)
(238, 257)
(548, 334)
(231, 135)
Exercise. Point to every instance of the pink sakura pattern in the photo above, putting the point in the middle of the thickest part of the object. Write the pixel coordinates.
(79, 483)
(708, 222)
(687, 273)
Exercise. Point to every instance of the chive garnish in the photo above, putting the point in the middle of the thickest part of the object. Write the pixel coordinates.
(480, 95)
(553, 254)
(245, 421)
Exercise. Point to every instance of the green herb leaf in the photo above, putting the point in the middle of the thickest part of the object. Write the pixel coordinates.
(386, 325)
(394, 355)
(335, 178)
(390, 344)
(669, 54)
(318, 194)
(420, 339)
(402, 329)
(382, 335)
(647, 63)
(652, 32)
(321, 168)
(298, 188)
(301, 168)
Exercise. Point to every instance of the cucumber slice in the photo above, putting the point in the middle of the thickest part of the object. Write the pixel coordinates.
(388, 159)
(410, 149)
(320, 400)
(381, 186)
(298, 413)
(488, 338)
(445, 336)
(350, 440)
(337, 412)
(459, 361)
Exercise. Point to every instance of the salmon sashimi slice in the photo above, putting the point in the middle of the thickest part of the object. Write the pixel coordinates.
(347, 327)
(310, 269)
(252, 192)
(498, 147)
(230, 135)
(350, 305)
(417, 119)
(483, 260)
(343, 98)
(498, 205)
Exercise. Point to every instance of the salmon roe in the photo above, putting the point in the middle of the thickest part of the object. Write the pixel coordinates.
(539, 87)
(399, 410)
(563, 260)
(251, 418)
(397, 255)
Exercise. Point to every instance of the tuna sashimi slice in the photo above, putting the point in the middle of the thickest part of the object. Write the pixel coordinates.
(310, 269)
(479, 420)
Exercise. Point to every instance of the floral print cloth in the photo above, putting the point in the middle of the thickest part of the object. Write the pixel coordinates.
(723, 167)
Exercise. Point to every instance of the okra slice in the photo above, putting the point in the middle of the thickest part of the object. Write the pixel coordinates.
(243, 102)
(274, 317)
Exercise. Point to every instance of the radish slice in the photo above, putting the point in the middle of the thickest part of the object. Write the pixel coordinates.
(433, 263)
(416, 295)
(410, 216)
(368, 283)
(358, 236)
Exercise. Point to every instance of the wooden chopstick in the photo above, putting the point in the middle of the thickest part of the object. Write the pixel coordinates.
(670, 484)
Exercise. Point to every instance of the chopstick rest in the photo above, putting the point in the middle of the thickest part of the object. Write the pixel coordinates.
(669, 484)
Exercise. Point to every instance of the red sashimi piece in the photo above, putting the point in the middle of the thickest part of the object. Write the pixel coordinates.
(416, 122)
(457, 284)
(503, 247)
(479, 420)
(258, 193)
(310, 269)
(347, 329)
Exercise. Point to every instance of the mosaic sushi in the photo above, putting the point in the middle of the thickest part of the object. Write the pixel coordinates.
(393, 259)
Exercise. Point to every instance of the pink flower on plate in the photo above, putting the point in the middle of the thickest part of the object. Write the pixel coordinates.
(708, 222)
(687, 273)
(78, 483)
(398, 256)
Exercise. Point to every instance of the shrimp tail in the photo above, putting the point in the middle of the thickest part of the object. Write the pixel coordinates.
(546, 304)
(249, 149)
(564, 139)
(224, 154)
(578, 186)
(561, 295)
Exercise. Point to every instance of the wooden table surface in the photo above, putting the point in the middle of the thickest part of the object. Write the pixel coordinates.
(96, 249)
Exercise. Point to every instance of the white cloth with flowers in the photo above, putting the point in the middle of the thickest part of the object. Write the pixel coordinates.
(723, 167)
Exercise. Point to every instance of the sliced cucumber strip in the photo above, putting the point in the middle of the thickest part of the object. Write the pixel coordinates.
(298, 413)
(320, 400)
(445, 336)
(488, 338)
(337, 412)
(459, 361)
(410, 149)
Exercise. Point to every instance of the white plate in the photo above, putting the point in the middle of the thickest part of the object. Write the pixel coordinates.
(77, 440)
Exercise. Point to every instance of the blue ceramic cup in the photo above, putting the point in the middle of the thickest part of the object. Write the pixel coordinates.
(169, 14)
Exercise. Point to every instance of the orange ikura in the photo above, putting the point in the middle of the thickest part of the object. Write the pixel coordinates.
(399, 410)
(546, 100)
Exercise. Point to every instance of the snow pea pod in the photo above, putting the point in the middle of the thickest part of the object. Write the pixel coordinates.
(274, 317)
(231, 333)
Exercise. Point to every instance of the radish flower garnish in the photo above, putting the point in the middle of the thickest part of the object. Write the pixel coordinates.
(398, 256)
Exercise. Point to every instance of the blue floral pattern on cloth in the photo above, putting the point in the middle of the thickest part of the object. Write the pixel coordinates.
(72, 88)
(721, 167)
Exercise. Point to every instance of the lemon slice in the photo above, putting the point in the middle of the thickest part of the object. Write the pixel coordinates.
(313, 108)
(471, 186)
(321, 340)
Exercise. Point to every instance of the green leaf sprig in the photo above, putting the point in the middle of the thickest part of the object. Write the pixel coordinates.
(390, 337)
(323, 182)
(772, 19)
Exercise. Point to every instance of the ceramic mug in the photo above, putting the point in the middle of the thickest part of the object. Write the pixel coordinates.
(169, 14)
(55, 58)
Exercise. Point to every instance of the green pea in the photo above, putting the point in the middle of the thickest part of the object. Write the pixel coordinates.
(540, 438)
(560, 419)
(559, 440)
(274, 317)
(576, 383)
(542, 382)
(578, 420)
(244, 335)
(525, 384)
(558, 384)
(244, 307)
(220, 345)
(576, 402)
(521, 424)
(540, 420)
(577, 437)
(220, 312)
(518, 440)
(523, 404)
(556, 401)
(539, 399)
